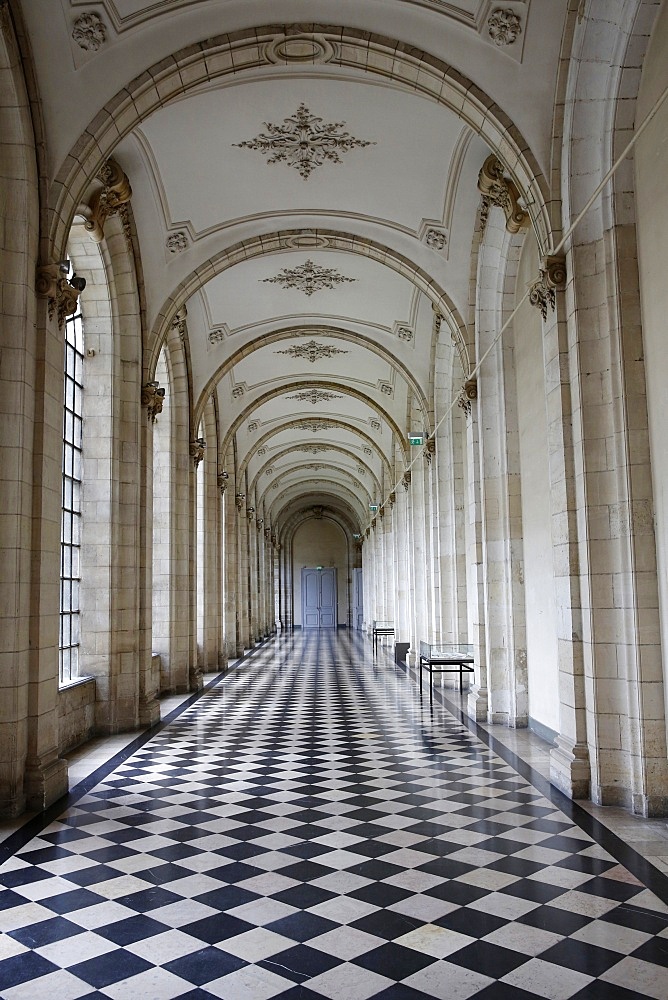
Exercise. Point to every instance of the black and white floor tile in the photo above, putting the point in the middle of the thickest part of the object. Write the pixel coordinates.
(309, 828)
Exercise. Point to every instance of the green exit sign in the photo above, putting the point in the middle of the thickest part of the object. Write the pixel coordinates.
(416, 439)
(373, 507)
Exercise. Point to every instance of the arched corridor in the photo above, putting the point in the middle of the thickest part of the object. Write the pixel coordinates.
(329, 330)
(314, 825)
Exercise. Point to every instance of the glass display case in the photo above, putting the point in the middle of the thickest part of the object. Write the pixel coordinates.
(381, 628)
(446, 657)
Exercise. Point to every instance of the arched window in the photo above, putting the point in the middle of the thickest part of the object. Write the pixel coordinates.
(70, 532)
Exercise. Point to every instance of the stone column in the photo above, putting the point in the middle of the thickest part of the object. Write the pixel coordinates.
(477, 705)
(45, 777)
(569, 762)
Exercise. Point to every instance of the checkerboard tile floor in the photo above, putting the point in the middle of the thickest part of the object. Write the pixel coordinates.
(310, 828)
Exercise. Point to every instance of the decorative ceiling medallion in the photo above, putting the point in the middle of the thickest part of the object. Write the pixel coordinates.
(262, 451)
(314, 425)
(308, 278)
(218, 335)
(176, 242)
(504, 26)
(314, 449)
(89, 32)
(434, 234)
(308, 239)
(253, 425)
(403, 331)
(386, 388)
(300, 49)
(304, 142)
(312, 351)
(239, 390)
(375, 424)
(314, 396)
(368, 451)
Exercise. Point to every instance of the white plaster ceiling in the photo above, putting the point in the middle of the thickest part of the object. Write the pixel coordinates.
(190, 177)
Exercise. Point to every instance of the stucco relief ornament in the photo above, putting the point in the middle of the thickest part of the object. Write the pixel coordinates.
(89, 32)
(314, 396)
(308, 278)
(543, 291)
(314, 425)
(435, 239)
(504, 26)
(304, 142)
(312, 351)
(176, 242)
(314, 449)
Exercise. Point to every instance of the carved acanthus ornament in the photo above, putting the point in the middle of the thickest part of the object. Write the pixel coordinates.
(468, 393)
(239, 500)
(314, 425)
(496, 189)
(179, 324)
(314, 449)
(304, 142)
(308, 278)
(314, 396)
(429, 449)
(223, 480)
(152, 397)
(197, 450)
(176, 242)
(110, 199)
(504, 26)
(63, 297)
(406, 480)
(392, 498)
(89, 32)
(312, 351)
(552, 277)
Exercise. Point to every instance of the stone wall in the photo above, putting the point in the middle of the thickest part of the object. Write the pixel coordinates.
(76, 714)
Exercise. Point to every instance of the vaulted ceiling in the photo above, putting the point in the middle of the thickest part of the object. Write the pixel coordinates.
(307, 209)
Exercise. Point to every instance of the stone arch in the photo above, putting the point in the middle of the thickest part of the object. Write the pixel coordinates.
(290, 451)
(603, 369)
(368, 440)
(338, 333)
(285, 241)
(305, 385)
(230, 56)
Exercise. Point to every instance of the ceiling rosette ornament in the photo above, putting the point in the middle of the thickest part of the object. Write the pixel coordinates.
(304, 141)
(314, 396)
(89, 32)
(504, 26)
(308, 278)
(312, 351)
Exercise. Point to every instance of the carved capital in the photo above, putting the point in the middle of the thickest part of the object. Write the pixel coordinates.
(497, 189)
(152, 397)
(197, 447)
(110, 199)
(222, 480)
(381, 511)
(63, 297)
(267, 534)
(552, 277)
(392, 498)
(429, 448)
(468, 393)
(179, 324)
(239, 500)
(406, 479)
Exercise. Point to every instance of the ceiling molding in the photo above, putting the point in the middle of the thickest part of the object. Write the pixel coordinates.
(292, 451)
(293, 424)
(275, 243)
(246, 51)
(335, 333)
(269, 394)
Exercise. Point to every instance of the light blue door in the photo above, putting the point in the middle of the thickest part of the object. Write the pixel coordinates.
(319, 598)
